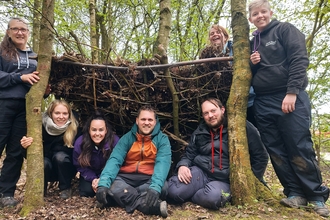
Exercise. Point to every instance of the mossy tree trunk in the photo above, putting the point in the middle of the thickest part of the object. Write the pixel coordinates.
(34, 194)
(36, 25)
(160, 50)
(93, 31)
(244, 184)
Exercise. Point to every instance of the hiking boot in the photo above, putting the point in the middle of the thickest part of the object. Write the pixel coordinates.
(163, 209)
(159, 209)
(320, 208)
(294, 201)
(65, 194)
(8, 201)
(99, 205)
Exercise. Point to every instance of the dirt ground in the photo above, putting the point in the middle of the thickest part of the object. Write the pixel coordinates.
(84, 208)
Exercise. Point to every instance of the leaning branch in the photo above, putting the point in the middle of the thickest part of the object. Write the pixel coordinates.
(153, 67)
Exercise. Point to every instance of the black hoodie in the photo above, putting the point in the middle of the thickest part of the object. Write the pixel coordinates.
(11, 85)
(284, 60)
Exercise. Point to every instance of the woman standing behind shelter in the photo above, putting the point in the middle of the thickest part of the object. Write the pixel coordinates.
(218, 46)
(282, 106)
(17, 74)
(91, 152)
(221, 46)
(59, 131)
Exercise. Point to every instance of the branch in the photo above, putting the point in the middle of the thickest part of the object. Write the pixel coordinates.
(153, 67)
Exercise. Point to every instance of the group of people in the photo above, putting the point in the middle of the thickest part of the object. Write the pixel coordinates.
(132, 171)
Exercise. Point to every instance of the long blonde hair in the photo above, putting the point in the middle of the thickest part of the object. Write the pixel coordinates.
(71, 131)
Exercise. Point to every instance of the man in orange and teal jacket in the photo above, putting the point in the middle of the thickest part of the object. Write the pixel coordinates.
(135, 174)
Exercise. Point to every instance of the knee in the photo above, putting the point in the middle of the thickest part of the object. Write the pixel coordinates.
(61, 157)
(48, 165)
(175, 190)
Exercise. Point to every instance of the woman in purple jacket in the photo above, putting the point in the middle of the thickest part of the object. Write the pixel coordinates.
(91, 152)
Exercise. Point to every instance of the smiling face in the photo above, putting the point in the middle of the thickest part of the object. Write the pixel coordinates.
(97, 130)
(19, 33)
(213, 115)
(217, 37)
(146, 122)
(260, 17)
(60, 115)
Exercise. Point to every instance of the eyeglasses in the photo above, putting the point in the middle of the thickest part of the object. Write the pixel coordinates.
(22, 30)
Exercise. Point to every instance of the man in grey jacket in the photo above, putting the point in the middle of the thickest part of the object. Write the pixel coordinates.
(203, 171)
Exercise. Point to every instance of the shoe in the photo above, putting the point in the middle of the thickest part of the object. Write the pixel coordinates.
(159, 209)
(294, 201)
(320, 208)
(8, 201)
(163, 209)
(65, 194)
(99, 205)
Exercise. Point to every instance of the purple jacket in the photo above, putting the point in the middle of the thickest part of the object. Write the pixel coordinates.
(97, 160)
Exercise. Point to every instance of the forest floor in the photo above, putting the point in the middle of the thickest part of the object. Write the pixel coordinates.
(84, 208)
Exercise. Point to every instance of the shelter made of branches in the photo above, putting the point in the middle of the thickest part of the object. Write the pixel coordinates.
(120, 89)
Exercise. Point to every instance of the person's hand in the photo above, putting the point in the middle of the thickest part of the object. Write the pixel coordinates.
(101, 194)
(152, 197)
(184, 174)
(289, 102)
(255, 57)
(30, 78)
(95, 182)
(26, 141)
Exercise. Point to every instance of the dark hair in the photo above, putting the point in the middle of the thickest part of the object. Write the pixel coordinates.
(7, 47)
(219, 104)
(146, 108)
(214, 101)
(88, 145)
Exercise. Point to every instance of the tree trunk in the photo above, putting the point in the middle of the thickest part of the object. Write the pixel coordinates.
(160, 47)
(93, 33)
(35, 161)
(36, 25)
(242, 180)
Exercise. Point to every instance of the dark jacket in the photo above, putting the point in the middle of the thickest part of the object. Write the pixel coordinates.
(158, 143)
(53, 144)
(97, 160)
(283, 62)
(11, 85)
(199, 152)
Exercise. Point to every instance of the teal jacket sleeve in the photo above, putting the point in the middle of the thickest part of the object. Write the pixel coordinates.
(162, 163)
(116, 160)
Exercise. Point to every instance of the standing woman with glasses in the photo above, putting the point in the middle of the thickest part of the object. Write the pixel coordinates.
(17, 75)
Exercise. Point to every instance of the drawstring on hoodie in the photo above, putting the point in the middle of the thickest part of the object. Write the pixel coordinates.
(27, 61)
(220, 151)
(256, 35)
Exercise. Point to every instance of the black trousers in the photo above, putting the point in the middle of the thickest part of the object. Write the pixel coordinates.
(12, 129)
(60, 168)
(85, 188)
(132, 197)
(288, 141)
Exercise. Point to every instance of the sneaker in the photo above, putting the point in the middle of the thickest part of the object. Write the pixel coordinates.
(65, 194)
(8, 201)
(163, 209)
(320, 208)
(294, 201)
